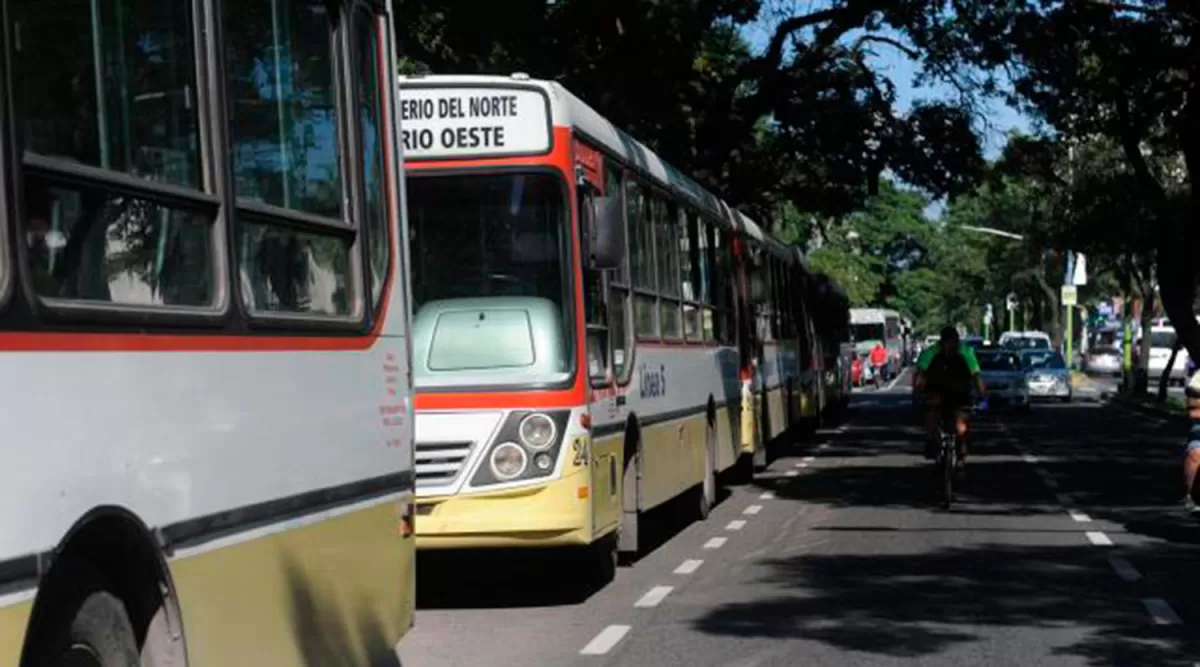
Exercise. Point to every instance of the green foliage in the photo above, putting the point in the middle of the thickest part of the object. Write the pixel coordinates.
(806, 123)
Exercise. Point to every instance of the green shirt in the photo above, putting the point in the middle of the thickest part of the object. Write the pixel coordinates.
(967, 352)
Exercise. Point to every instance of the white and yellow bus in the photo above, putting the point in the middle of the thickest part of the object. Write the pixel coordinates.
(204, 336)
(582, 331)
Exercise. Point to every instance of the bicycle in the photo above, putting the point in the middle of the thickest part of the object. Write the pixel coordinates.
(947, 458)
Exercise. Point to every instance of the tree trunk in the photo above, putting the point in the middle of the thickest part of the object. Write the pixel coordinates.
(1141, 384)
(1165, 379)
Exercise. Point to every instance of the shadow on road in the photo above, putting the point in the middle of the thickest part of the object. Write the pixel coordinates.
(514, 578)
(913, 605)
(910, 605)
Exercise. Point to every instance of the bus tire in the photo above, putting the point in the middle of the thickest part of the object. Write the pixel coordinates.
(600, 561)
(708, 484)
(88, 625)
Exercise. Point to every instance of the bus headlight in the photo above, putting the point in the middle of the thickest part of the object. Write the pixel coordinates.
(508, 461)
(537, 431)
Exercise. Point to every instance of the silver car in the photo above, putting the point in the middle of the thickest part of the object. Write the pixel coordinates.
(1047, 375)
(1005, 377)
(1103, 361)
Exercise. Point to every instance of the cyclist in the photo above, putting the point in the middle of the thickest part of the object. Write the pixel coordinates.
(946, 372)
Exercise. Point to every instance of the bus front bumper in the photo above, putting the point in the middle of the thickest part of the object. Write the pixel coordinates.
(557, 513)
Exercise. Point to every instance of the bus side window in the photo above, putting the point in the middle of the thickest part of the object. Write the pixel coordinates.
(122, 106)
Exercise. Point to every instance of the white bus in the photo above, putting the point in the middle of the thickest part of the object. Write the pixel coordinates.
(879, 325)
(204, 352)
(585, 348)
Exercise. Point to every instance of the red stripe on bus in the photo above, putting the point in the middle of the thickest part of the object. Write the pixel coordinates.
(561, 398)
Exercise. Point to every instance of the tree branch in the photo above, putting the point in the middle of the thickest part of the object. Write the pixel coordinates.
(1132, 147)
(774, 54)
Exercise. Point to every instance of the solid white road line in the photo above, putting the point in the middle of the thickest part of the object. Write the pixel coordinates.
(1030, 459)
(653, 597)
(1161, 612)
(689, 566)
(608, 638)
(716, 543)
(1079, 516)
(767, 495)
(753, 509)
(736, 524)
(1099, 539)
(895, 380)
(1124, 569)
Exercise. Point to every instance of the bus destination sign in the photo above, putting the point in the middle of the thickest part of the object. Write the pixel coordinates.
(473, 122)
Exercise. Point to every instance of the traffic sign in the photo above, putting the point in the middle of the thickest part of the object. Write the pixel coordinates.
(1070, 295)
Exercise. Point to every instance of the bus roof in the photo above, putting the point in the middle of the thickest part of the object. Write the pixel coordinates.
(567, 110)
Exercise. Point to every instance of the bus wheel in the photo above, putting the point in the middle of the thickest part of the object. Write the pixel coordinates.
(89, 625)
(708, 485)
(601, 561)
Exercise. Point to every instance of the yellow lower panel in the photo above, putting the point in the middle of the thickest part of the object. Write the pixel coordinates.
(749, 422)
(336, 592)
(548, 515)
(674, 454)
(608, 468)
(776, 404)
(13, 621)
(728, 444)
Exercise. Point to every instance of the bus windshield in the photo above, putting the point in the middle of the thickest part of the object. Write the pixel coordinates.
(866, 332)
(489, 279)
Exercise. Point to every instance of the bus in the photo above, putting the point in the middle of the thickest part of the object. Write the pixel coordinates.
(204, 335)
(594, 333)
(879, 325)
(830, 308)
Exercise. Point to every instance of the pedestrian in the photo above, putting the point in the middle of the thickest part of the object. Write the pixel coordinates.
(879, 359)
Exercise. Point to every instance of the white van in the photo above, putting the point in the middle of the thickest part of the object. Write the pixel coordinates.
(1162, 341)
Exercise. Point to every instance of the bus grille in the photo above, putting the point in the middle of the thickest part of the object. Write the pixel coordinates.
(439, 463)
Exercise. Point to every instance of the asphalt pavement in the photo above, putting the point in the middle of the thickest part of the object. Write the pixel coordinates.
(1067, 546)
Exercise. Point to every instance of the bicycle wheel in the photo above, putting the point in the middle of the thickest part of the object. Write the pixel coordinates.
(948, 460)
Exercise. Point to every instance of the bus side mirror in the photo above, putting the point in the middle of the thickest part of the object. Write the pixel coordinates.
(606, 242)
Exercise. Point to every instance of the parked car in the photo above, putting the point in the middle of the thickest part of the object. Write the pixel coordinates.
(1005, 377)
(1103, 361)
(1162, 341)
(1047, 375)
(1025, 340)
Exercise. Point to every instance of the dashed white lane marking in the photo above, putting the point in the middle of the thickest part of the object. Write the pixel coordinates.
(689, 566)
(1079, 516)
(716, 543)
(603, 642)
(653, 597)
(892, 384)
(801, 464)
(1124, 569)
(753, 509)
(794, 473)
(809, 459)
(1099, 539)
(767, 495)
(1030, 458)
(736, 524)
(823, 445)
(1161, 612)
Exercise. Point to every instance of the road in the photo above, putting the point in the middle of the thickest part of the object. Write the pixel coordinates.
(1111, 385)
(1067, 547)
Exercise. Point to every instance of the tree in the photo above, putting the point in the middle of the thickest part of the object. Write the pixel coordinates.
(805, 122)
(1125, 73)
